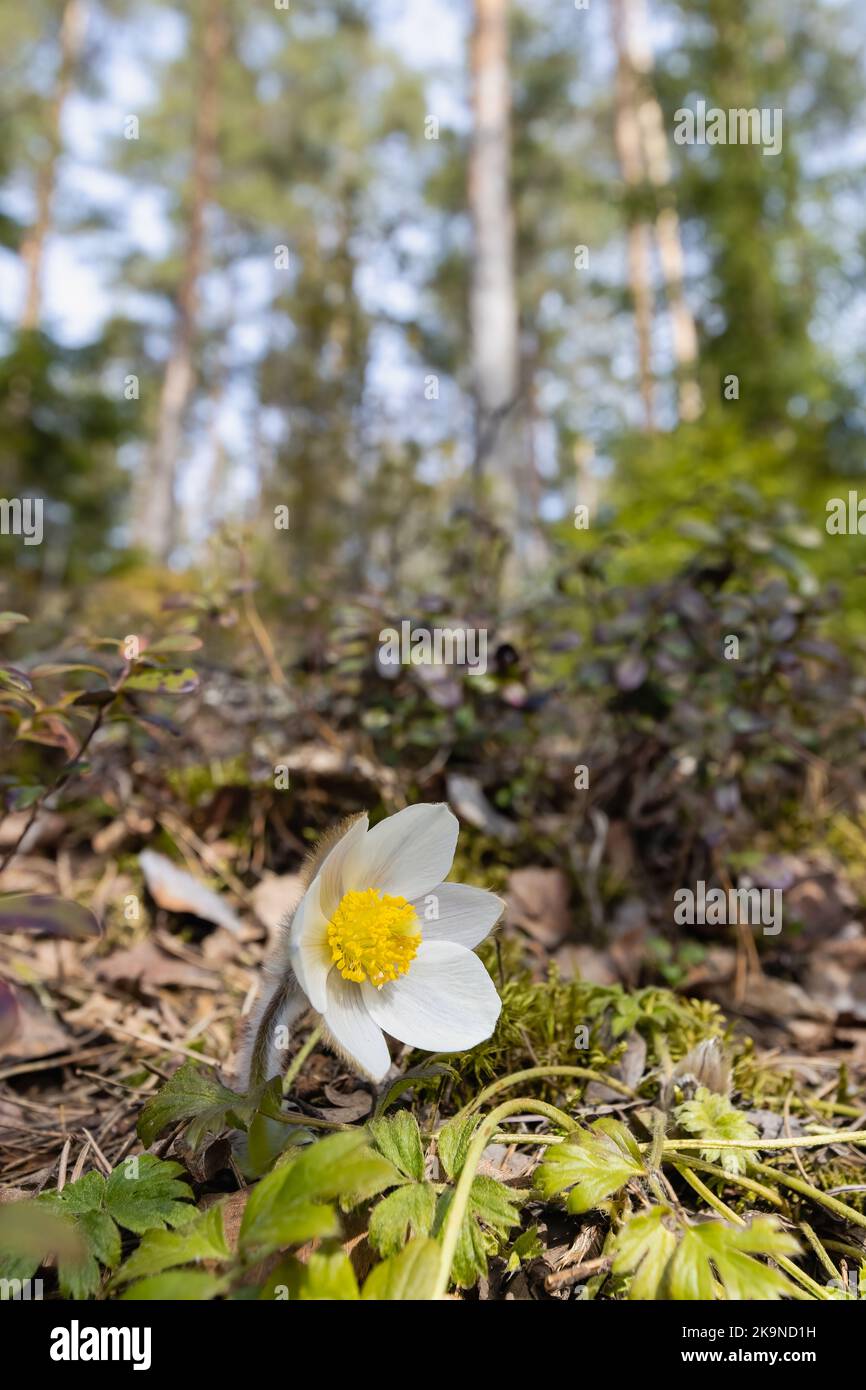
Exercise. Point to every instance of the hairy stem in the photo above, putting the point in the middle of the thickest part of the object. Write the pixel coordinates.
(460, 1200)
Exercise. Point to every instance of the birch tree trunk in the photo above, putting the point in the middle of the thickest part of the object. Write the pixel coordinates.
(34, 242)
(156, 520)
(499, 451)
(634, 49)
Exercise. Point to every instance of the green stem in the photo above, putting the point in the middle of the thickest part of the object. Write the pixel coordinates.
(813, 1193)
(737, 1180)
(460, 1201)
(300, 1058)
(730, 1215)
(803, 1141)
(819, 1250)
(539, 1073)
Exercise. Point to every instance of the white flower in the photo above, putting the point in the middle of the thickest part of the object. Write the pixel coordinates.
(380, 944)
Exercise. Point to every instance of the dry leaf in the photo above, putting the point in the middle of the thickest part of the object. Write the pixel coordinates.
(177, 891)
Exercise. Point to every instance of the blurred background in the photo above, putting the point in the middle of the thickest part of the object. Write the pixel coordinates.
(316, 318)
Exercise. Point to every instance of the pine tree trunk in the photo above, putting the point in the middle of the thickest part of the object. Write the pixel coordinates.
(156, 522)
(499, 453)
(33, 244)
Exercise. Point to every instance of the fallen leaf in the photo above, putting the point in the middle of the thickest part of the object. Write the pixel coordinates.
(176, 890)
(538, 903)
(471, 805)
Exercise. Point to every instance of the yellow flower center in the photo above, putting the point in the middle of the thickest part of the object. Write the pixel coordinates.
(373, 936)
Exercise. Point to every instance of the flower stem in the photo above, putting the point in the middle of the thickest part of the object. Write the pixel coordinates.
(814, 1193)
(730, 1215)
(300, 1058)
(539, 1073)
(820, 1251)
(460, 1201)
(803, 1141)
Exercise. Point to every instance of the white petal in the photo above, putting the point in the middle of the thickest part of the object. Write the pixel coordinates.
(311, 954)
(332, 871)
(446, 1002)
(352, 1029)
(466, 915)
(407, 854)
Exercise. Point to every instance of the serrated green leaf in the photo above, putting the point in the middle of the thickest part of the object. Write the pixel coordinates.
(407, 1211)
(195, 1095)
(593, 1162)
(87, 1194)
(102, 1236)
(411, 1275)
(491, 1212)
(147, 1194)
(290, 1205)
(179, 1285)
(399, 1139)
(203, 1239)
(453, 1143)
(716, 1260)
(79, 1279)
(643, 1249)
(712, 1116)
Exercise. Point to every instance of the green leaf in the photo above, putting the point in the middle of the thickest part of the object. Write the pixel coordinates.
(158, 682)
(180, 1285)
(594, 1163)
(712, 1116)
(715, 1260)
(411, 1275)
(195, 1095)
(327, 1275)
(643, 1249)
(289, 1206)
(399, 1139)
(528, 1246)
(343, 1165)
(491, 1212)
(87, 1194)
(175, 642)
(144, 1193)
(407, 1211)
(453, 1143)
(102, 1236)
(203, 1239)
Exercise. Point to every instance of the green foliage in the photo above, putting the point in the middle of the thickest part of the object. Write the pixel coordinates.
(491, 1212)
(291, 1204)
(200, 1239)
(196, 1095)
(408, 1211)
(716, 1260)
(399, 1139)
(706, 1261)
(643, 1248)
(593, 1163)
(711, 1116)
(142, 1194)
(411, 1275)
